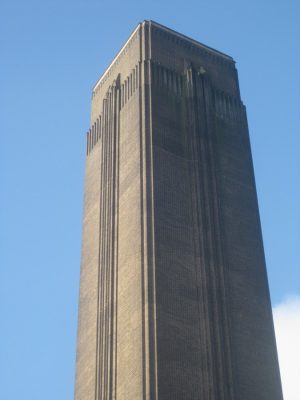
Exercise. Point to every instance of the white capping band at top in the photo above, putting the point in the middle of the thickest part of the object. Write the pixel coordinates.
(113, 61)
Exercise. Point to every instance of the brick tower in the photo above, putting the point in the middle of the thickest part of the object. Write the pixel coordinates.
(174, 299)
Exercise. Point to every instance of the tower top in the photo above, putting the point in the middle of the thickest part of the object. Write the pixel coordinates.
(188, 39)
(169, 31)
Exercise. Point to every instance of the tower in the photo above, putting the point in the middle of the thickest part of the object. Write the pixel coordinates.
(174, 299)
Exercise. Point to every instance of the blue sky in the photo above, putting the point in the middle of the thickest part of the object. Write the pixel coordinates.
(52, 52)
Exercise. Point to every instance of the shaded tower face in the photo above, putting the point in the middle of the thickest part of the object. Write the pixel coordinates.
(174, 300)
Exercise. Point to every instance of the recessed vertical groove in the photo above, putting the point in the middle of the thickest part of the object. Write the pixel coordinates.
(211, 261)
(141, 112)
(90, 140)
(100, 279)
(109, 264)
(100, 272)
(98, 283)
(103, 372)
(87, 143)
(112, 202)
(102, 252)
(92, 136)
(106, 250)
(202, 282)
(116, 227)
(150, 245)
(107, 354)
(222, 322)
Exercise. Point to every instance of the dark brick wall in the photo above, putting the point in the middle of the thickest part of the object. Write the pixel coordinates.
(215, 336)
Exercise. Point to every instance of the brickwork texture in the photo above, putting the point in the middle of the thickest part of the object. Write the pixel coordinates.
(174, 298)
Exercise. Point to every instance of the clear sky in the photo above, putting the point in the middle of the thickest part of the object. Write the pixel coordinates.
(52, 52)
